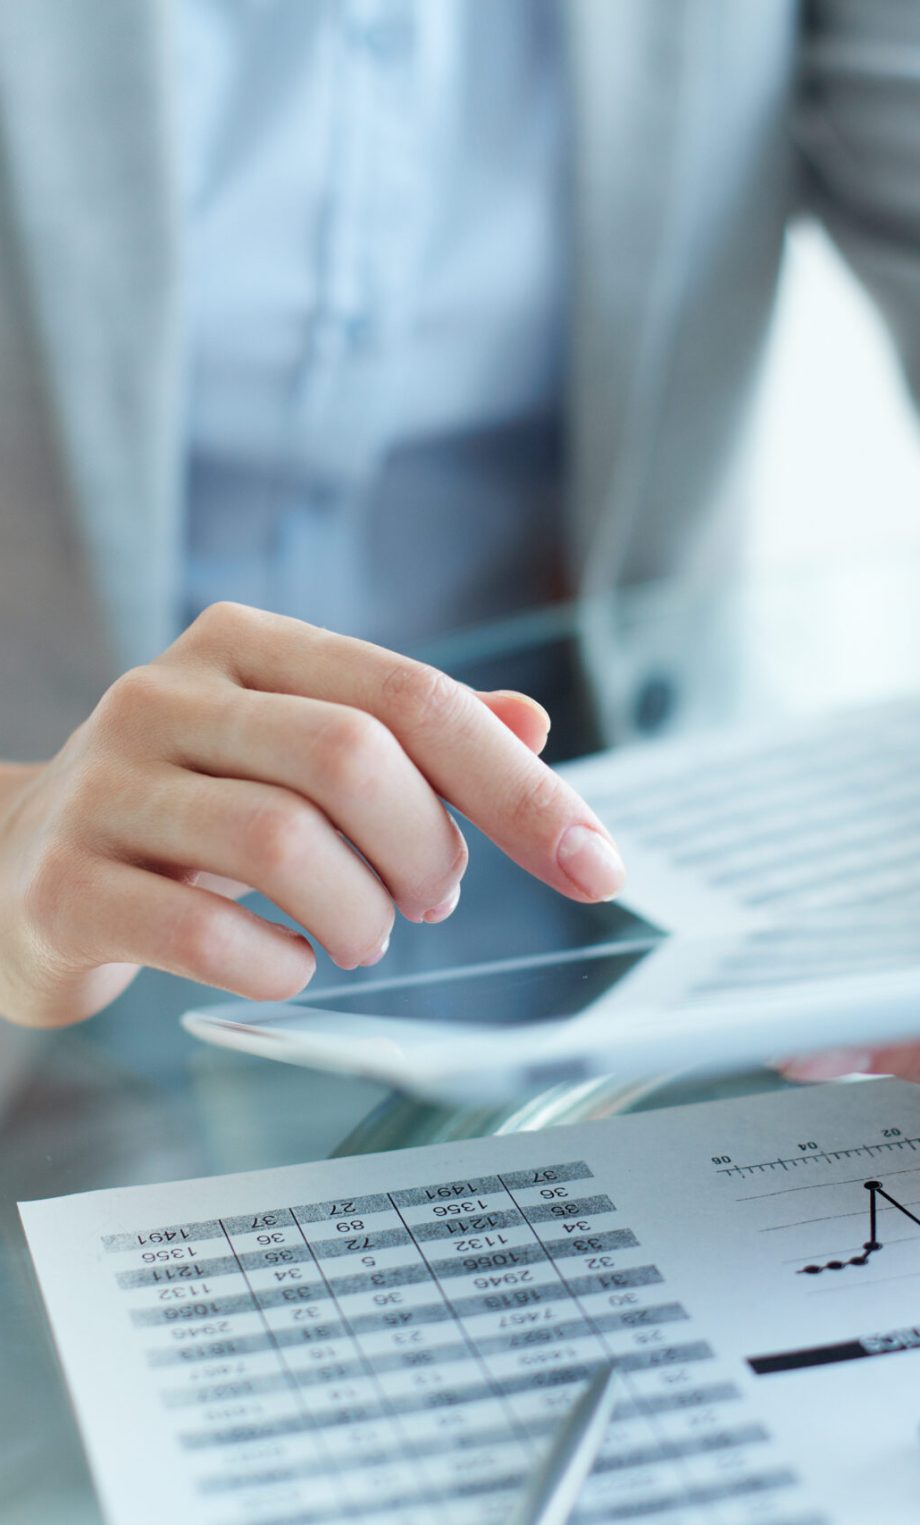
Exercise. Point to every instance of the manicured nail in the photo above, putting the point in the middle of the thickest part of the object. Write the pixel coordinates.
(592, 862)
(442, 911)
(829, 1065)
(375, 958)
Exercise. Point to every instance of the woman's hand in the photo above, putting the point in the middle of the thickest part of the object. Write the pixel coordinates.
(901, 1059)
(266, 752)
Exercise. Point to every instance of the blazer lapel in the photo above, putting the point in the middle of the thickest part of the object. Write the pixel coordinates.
(87, 135)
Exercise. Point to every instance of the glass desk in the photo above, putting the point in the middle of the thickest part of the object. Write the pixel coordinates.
(130, 1098)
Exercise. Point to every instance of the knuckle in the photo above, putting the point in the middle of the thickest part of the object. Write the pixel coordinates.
(217, 633)
(128, 701)
(350, 748)
(218, 622)
(277, 839)
(420, 696)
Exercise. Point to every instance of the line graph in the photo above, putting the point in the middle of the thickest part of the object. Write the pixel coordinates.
(873, 1244)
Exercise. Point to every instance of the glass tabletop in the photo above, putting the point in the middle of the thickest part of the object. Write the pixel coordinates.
(130, 1098)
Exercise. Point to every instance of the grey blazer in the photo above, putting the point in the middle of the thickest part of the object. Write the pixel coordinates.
(702, 126)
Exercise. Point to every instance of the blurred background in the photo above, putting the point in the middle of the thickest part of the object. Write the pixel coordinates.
(830, 465)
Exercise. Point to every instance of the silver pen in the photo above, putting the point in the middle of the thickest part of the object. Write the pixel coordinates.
(552, 1491)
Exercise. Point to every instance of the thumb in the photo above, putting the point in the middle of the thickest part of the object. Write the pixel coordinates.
(521, 714)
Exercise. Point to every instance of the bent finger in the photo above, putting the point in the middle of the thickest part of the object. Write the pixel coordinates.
(355, 772)
(273, 840)
(468, 756)
(136, 916)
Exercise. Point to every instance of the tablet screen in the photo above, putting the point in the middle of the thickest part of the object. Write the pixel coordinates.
(503, 996)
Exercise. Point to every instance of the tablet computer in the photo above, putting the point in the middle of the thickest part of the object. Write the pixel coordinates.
(649, 1005)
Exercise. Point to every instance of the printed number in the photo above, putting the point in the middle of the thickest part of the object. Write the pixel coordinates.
(891, 1133)
(810, 1145)
(721, 1159)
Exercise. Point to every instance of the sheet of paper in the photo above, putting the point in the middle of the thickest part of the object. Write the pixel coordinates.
(817, 818)
(808, 836)
(793, 854)
(394, 1338)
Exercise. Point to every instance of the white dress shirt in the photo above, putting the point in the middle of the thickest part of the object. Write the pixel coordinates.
(376, 252)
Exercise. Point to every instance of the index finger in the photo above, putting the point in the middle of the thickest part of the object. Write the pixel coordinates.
(466, 753)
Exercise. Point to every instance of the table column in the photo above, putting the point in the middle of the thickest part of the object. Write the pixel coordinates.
(304, 1479)
(491, 1274)
(448, 1422)
(219, 1365)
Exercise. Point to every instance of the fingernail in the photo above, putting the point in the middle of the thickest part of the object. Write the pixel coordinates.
(376, 957)
(442, 911)
(829, 1065)
(592, 862)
